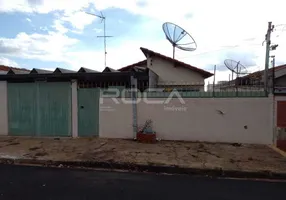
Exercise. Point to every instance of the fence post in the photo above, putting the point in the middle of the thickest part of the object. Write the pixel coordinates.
(134, 104)
(214, 82)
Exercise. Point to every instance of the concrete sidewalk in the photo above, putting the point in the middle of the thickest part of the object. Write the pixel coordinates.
(184, 157)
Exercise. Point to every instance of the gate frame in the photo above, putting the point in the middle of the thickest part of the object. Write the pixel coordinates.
(98, 112)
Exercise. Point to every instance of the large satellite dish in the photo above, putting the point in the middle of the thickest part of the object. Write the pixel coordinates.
(235, 67)
(179, 38)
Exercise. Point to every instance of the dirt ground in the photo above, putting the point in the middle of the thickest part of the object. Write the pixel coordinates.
(251, 158)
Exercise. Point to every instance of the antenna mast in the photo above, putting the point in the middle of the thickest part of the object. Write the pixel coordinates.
(103, 18)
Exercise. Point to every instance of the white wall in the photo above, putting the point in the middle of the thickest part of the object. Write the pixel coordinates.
(74, 109)
(115, 120)
(202, 120)
(3, 108)
(168, 74)
(153, 79)
(244, 120)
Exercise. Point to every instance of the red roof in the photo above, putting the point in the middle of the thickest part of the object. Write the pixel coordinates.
(280, 67)
(258, 74)
(6, 68)
(128, 67)
(204, 73)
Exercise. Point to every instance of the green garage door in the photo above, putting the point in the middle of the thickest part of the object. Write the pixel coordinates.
(39, 109)
(22, 109)
(54, 109)
(88, 112)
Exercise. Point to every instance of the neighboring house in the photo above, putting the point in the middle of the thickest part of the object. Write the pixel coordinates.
(165, 72)
(255, 81)
(12, 70)
(257, 78)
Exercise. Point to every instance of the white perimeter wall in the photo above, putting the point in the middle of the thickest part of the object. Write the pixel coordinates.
(244, 120)
(3, 108)
(115, 120)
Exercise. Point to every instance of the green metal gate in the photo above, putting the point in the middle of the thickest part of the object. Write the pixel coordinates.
(22, 114)
(88, 112)
(54, 109)
(39, 109)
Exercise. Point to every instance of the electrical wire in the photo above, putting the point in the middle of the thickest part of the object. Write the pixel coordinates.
(233, 47)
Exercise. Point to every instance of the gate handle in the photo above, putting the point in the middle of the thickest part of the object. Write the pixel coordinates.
(81, 107)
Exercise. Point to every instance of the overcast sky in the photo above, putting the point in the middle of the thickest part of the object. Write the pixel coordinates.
(56, 33)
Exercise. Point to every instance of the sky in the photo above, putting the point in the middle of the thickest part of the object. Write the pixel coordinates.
(58, 33)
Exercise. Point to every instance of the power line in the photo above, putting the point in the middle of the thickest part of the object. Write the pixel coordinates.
(233, 47)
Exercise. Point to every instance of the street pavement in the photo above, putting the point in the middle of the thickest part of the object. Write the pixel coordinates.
(30, 182)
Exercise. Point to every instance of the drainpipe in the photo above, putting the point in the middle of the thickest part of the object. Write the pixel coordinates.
(134, 105)
(274, 102)
(273, 75)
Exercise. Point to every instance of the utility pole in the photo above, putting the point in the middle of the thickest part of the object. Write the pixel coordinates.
(103, 18)
(268, 43)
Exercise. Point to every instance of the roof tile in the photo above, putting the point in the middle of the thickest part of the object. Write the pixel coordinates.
(204, 73)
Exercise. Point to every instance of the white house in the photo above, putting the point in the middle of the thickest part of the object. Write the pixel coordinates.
(166, 72)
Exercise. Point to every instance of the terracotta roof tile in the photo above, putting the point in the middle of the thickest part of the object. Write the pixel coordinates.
(128, 67)
(6, 68)
(204, 73)
(258, 74)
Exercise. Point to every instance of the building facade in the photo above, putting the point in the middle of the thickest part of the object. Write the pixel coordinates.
(167, 73)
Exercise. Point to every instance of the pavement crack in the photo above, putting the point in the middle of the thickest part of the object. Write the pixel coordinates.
(202, 149)
(101, 145)
(174, 150)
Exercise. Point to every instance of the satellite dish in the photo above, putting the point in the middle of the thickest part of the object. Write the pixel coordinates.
(235, 67)
(178, 37)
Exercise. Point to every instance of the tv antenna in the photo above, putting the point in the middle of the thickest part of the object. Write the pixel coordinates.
(235, 68)
(178, 37)
(104, 36)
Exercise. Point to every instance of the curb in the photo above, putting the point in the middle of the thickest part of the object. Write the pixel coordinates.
(148, 168)
(281, 152)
